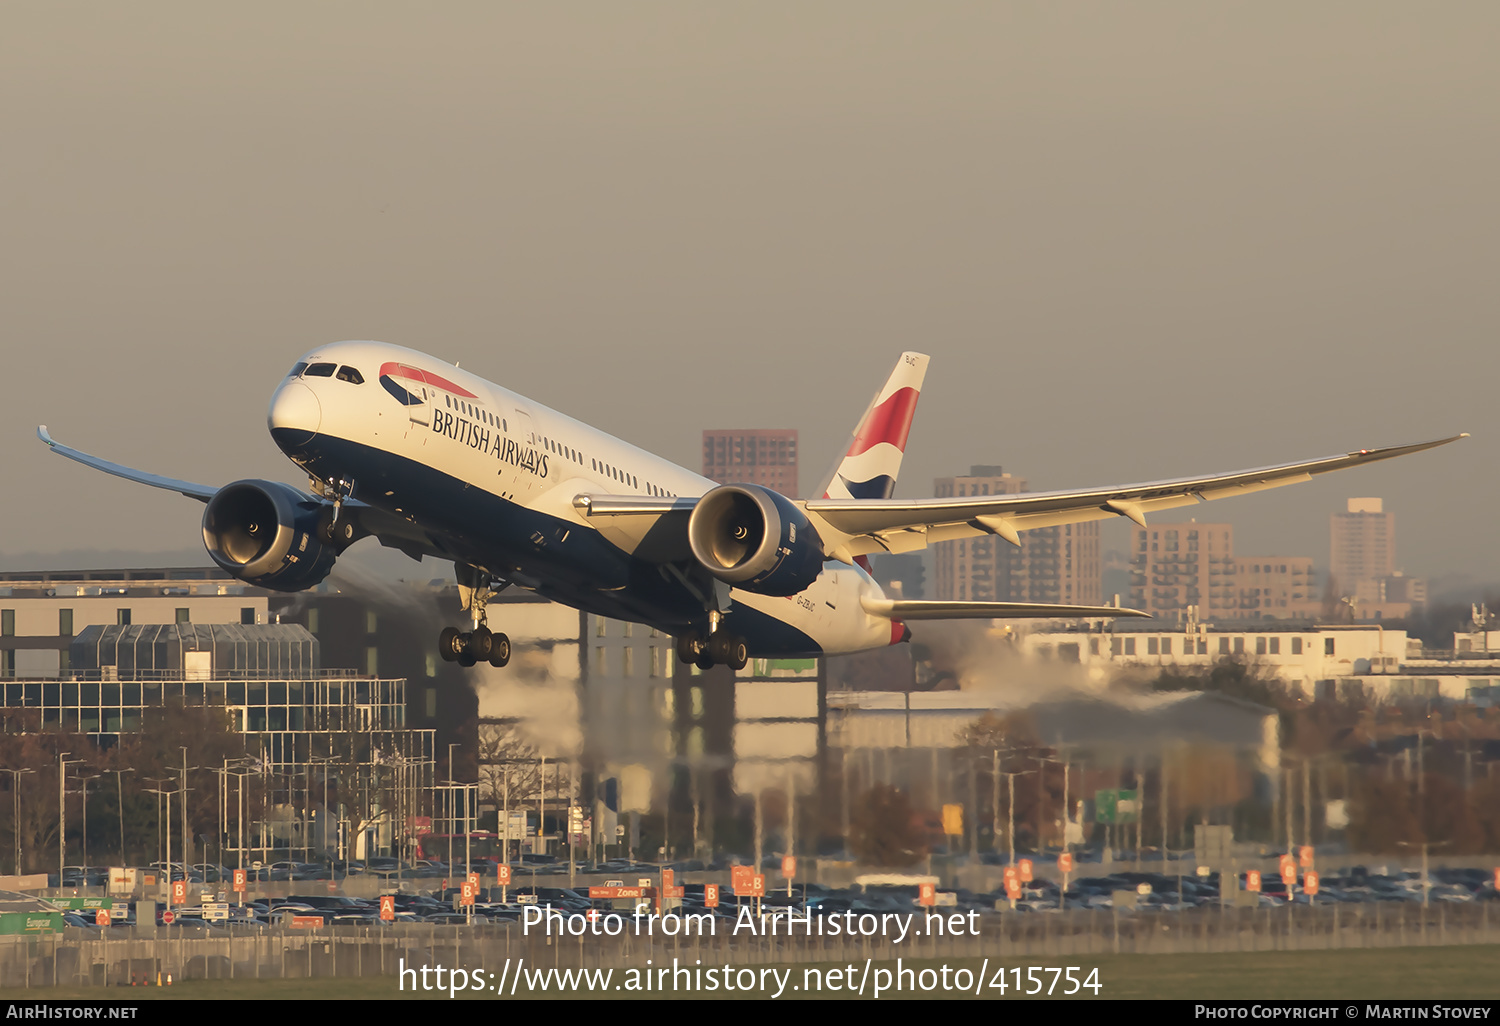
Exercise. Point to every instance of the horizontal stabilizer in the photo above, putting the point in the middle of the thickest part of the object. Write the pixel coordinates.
(917, 609)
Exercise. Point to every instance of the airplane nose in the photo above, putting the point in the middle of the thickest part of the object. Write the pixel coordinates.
(295, 415)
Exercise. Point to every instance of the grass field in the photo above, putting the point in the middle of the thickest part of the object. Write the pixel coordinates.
(1363, 975)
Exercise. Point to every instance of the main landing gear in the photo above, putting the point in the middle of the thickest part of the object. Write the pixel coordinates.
(481, 645)
(720, 647)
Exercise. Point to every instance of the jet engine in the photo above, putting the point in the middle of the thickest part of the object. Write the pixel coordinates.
(271, 535)
(756, 539)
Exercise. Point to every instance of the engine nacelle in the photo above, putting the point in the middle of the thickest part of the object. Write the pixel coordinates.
(266, 534)
(756, 539)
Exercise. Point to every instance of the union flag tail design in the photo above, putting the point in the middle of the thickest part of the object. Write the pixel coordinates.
(869, 468)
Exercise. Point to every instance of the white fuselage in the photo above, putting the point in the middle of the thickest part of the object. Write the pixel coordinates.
(493, 476)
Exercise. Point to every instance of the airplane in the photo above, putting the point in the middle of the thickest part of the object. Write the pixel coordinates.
(435, 461)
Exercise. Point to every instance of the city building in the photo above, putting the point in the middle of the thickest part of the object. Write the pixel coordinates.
(1052, 564)
(1362, 545)
(1181, 571)
(42, 611)
(760, 456)
(1332, 661)
(332, 760)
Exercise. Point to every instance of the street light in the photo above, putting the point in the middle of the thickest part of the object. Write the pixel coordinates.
(451, 780)
(158, 781)
(15, 792)
(120, 783)
(1010, 811)
(240, 772)
(1426, 880)
(63, 762)
(83, 789)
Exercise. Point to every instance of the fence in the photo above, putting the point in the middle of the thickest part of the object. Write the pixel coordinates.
(118, 958)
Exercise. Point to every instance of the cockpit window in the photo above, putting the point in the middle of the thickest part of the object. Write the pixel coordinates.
(297, 370)
(320, 370)
(350, 375)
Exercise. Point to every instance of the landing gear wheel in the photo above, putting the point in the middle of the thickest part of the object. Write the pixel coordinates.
(729, 650)
(480, 644)
(450, 644)
(465, 659)
(690, 648)
(339, 534)
(704, 661)
(499, 651)
(739, 654)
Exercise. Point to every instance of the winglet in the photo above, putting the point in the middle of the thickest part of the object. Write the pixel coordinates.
(41, 432)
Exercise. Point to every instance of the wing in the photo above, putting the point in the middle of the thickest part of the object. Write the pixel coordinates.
(648, 527)
(859, 526)
(193, 491)
(391, 530)
(918, 609)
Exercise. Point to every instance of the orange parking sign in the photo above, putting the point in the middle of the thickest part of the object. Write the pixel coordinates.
(1305, 856)
(504, 873)
(179, 892)
(789, 866)
(1065, 862)
(742, 879)
(239, 880)
(466, 893)
(101, 918)
(1012, 887)
(1252, 880)
(1288, 870)
(1310, 882)
(1025, 870)
(388, 907)
(926, 894)
(711, 895)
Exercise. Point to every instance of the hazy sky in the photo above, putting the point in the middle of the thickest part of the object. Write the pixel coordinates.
(1138, 240)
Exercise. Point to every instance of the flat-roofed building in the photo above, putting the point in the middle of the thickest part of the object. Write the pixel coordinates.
(1362, 545)
(1052, 564)
(760, 456)
(41, 611)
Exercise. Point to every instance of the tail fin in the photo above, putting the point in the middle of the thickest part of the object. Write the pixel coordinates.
(869, 468)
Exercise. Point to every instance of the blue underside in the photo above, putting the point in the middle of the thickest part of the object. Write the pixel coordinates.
(573, 565)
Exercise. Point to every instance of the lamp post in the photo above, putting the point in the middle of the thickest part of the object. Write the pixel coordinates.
(1010, 811)
(15, 793)
(166, 798)
(1041, 799)
(158, 781)
(83, 789)
(120, 785)
(1426, 880)
(449, 831)
(239, 773)
(63, 762)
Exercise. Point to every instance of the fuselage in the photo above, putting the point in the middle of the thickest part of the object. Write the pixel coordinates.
(491, 477)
